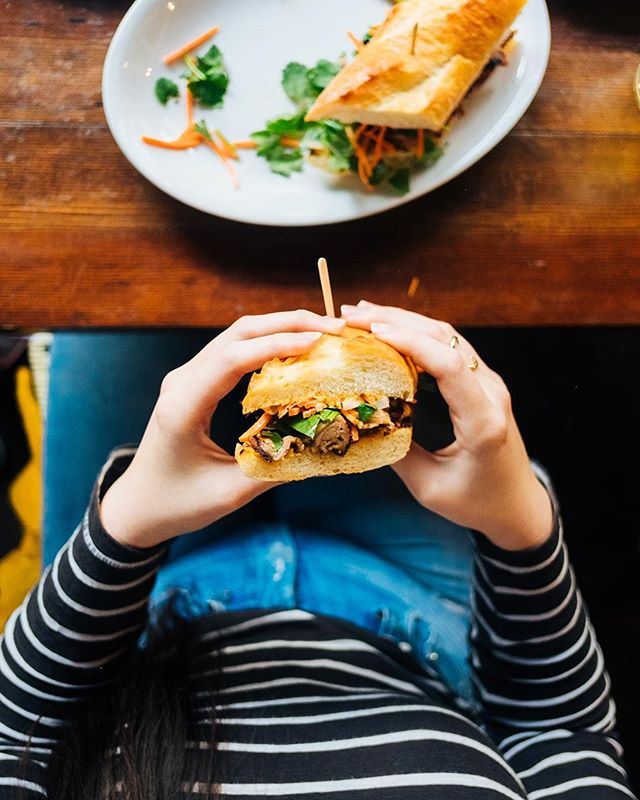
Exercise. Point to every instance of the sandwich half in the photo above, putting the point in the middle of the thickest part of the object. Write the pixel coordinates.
(345, 406)
(418, 64)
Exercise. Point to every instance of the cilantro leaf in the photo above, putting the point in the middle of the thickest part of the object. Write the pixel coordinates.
(296, 83)
(274, 436)
(210, 92)
(432, 151)
(332, 137)
(207, 78)
(380, 172)
(211, 60)
(292, 125)
(322, 74)
(302, 85)
(365, 412)
(400, 181)
(283, 160)
(309, 426)
(165, 90)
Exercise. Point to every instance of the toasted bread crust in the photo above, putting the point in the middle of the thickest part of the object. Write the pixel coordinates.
(336, 367)
(371, 452)
(402, 83)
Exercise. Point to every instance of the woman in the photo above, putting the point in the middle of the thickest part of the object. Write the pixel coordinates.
(322, 652)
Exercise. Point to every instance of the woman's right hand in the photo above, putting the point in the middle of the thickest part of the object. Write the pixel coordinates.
(180, 480)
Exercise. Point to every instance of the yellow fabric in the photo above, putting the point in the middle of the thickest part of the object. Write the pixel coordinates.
(20, 569)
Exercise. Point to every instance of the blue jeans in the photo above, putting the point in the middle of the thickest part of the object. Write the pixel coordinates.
(353, 546)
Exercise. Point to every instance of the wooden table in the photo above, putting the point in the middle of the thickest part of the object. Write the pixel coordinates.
(545, 230)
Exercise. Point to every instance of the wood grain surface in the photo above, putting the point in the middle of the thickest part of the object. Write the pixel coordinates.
(545, 230)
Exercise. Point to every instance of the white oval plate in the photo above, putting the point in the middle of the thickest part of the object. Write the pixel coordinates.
(257, 39)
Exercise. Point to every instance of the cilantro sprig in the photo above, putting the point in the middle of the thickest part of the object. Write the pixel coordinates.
(207, 77)
(283, 158)
(286, 140)
(207, 80)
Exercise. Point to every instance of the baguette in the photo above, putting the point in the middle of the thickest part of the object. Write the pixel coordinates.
(419, 64)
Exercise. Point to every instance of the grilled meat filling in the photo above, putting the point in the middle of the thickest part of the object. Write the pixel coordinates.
(269, 451)
(281, 430)
(334, 437)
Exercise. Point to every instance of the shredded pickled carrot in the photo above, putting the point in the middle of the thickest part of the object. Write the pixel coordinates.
(289, 141)
(360, 129)
(181, 51)
(364, 168)
(351, 414)
(189, 108)
(229, 149)
(377, 150)
(257, 426)
(224, 158)
(370, 146)
(192, 138)
(187, 139)
(249, 144)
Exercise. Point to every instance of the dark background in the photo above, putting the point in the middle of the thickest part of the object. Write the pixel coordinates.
(576, 395)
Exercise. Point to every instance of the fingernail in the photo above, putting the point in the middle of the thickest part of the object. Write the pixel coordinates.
(382, 328)
(335, 322)
(349, 309)
(311, 337)
(364, 303)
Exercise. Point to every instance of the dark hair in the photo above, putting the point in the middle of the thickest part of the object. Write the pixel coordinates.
(131, 741)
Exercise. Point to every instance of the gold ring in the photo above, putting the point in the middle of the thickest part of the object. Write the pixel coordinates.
(454, 342)
(473, 364)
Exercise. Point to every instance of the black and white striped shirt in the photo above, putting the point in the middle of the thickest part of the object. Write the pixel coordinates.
(312, 707)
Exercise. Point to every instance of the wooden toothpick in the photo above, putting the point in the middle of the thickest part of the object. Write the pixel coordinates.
(325, 283)
(413, 40)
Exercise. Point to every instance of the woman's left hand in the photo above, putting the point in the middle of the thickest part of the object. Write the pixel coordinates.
(483, 480)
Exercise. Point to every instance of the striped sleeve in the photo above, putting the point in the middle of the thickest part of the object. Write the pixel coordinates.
(68, 639)
(540, 674)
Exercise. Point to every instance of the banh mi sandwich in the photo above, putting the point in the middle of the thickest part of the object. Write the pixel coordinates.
(385, 112)
(345, 406)
(419, 64)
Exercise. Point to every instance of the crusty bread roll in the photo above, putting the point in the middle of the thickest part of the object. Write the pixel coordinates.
(376, 450)
(336, 367)
(419, 64)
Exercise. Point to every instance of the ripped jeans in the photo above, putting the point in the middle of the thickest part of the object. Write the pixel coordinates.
(356, 547)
